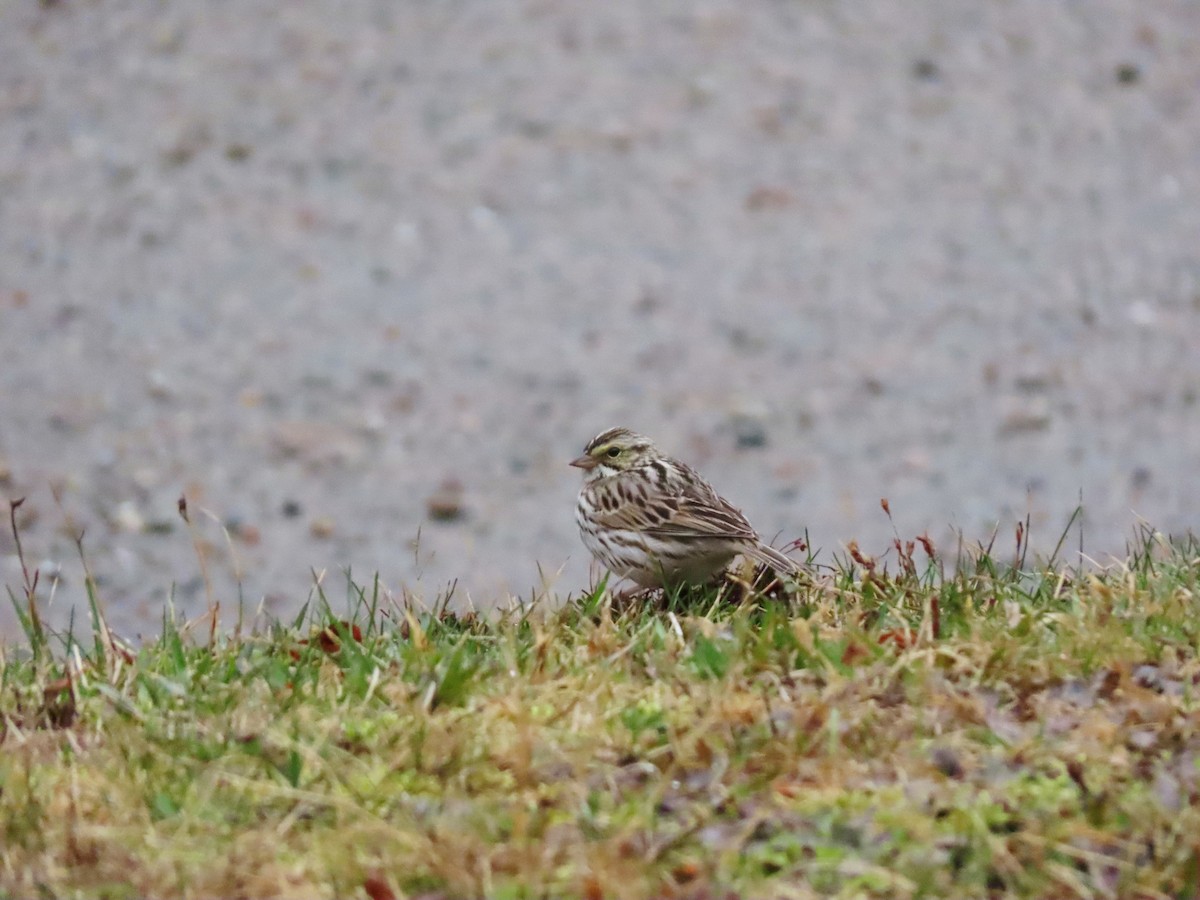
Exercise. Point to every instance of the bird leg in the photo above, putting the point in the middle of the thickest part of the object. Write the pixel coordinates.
(626, 598)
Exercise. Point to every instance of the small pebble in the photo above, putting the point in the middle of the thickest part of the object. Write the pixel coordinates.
(321, 528)
(316, 444)
(1142, 313)
(769, 197)
(1025, 417)
(647, 303)
(127, 518)
(1035, 380)
(749, 429)
(249, 535)
(1128, 73)
(291, 509)
(926, 70)
(446, 503)
(750, 435)
(158, 385)
(484, 218)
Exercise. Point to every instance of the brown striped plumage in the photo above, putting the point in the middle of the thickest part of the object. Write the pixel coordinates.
(654, 520)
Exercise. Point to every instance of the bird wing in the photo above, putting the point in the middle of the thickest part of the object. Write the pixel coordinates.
(702, 513)
(685, 508)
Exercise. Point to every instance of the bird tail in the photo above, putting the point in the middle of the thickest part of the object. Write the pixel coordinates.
(769, 556)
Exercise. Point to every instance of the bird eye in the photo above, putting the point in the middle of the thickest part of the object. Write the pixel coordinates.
(613, 452)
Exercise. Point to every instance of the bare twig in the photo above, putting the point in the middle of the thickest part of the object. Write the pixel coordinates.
(29, 583)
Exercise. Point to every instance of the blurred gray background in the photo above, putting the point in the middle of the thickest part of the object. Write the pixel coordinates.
(343, 271)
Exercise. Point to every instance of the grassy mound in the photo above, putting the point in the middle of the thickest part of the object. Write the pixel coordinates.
(995, 730)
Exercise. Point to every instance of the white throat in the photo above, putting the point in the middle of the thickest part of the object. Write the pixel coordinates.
(600, 471)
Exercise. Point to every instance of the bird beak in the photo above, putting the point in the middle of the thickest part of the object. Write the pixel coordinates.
(585, 463)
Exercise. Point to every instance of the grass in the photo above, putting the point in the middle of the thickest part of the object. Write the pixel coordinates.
(896, 728)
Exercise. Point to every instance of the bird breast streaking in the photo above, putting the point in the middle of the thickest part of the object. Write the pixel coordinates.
(652, 519)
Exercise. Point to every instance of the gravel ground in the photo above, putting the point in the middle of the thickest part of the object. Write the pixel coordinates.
(346, 271)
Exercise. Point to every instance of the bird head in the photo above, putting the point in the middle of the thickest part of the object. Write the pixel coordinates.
(614, 451)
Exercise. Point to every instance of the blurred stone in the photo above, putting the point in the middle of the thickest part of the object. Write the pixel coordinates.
(446, 503)
(378, 377)
(926, 70)
(321, 528)
(147, 478)
(291, 509)
(1023, 417)
(750, 434)
(161, 508)
(126, 559)
(374, 423)
(407, 234)
(5, 472)
(769, 120)
(1036, 378)
(168, 40)
(746, 341)
(65, 421)
(1128, 73)
(701, 91)
(405, 400)
(647, 303)
(1143, 314)
(159, 526)
(485, 219)
(127, 518)
(191, 138)
(766, 197)
(248, 535)
(316, 444)
(158, 385)
(749, 426)
(916, 462)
